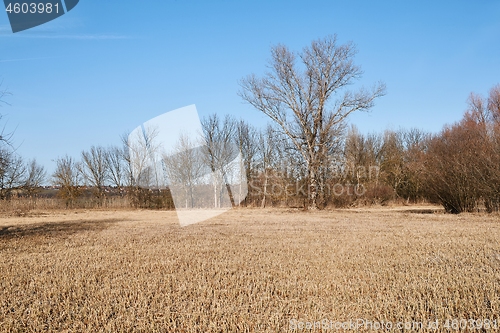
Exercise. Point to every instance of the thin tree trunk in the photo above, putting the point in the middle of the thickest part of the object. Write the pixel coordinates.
(215, 191)
(313, 190)
(263, 204)
(230, 192)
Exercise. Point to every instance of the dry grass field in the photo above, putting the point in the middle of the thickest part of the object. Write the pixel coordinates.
(248, 270)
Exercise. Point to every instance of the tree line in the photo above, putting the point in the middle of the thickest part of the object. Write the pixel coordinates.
(308, 156)
(458, 167)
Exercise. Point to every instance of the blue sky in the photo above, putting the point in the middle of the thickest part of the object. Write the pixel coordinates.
(108, 66)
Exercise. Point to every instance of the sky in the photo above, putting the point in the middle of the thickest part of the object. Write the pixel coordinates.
(104, 68)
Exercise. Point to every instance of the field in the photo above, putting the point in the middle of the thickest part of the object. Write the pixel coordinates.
(249, 270)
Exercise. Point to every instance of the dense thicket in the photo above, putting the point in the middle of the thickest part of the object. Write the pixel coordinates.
(463, 161)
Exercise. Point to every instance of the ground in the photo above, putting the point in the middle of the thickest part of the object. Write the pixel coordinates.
(248, 270)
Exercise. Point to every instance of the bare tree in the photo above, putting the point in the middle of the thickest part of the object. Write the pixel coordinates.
(362, 159)
(145, 178)
(355, 155)
(67, 177)
(12, 172)
(5, 137)
(142, 148)
(115, 164)
(12, 167)
(248, 138)
(94, 169)
(219, 151)
(184, 169)
(299, 99)
(35, 176)
(127, 160)
(268, 158)
(278, 171)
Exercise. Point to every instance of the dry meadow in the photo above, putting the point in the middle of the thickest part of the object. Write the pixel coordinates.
(250, 270)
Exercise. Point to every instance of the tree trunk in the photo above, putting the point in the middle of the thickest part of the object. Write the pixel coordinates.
(263, 204)
(215, 190)
(313, 190)
(230, 193)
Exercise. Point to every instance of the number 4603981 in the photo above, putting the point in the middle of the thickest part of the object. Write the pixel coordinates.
(32, 8)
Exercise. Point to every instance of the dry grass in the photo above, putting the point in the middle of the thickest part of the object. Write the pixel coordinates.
(245, 271)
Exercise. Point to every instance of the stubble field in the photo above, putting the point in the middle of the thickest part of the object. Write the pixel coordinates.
(249, 270)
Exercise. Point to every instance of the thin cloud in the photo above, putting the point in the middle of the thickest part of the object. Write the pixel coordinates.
(54, 32)
(25, 59)
(5, 28)
(70, 36)
(96, 37)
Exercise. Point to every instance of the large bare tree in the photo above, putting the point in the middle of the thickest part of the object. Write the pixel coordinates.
(304, 95)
